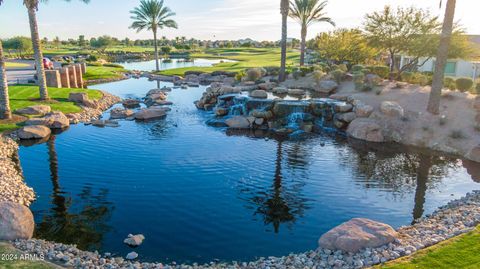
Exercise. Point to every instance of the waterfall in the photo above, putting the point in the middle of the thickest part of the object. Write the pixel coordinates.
(239, 106)
(296, 119)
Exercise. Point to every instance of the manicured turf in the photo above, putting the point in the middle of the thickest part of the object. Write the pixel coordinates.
(245, 58)
(103, 72)
(462, 252)
(11, 258)
(26, 95)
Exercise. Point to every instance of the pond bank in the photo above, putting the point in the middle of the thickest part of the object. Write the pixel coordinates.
(455, 218)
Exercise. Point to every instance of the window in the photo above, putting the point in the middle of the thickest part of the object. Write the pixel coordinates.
(451, 68)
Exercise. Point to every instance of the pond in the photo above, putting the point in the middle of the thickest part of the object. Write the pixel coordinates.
(171, 63)
(200, 193)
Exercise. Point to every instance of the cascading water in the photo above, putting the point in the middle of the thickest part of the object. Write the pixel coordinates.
(239, 107)
(295, 120)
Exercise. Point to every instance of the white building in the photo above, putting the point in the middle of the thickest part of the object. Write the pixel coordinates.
(454, 68)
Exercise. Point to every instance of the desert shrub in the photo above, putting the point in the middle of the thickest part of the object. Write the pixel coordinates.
(358, 80)
(449, 83)
(240, 75)
(272, 70)
(318, 76)
(338, 75)
(113, 65)
(342, 67)
(306, 70)
(254, 74)
(296, 74)
(92, 58)
(407, 76)
(357, 68)
(319, 67)
(464, 84)
(380, 70)
(422, 79)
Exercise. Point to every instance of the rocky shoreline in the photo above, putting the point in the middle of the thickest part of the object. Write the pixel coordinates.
(457, 217)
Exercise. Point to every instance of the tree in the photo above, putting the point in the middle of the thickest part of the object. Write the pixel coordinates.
(344, 45)
(166, 50)
(152, 15)
(56, 42)
(307, 12)
(21, 45)
(284, 10)
(101, 42)
(441, 61)
(81, 41)
(396, 30)
(32, 7)
(5, 112)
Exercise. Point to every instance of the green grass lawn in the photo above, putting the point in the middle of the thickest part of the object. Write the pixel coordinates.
(103, 72)
(245, 58)
(7, 251)
(15, 65)
(26, 95)
(462, 252)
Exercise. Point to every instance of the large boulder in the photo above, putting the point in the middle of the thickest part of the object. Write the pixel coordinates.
(392, 109)
(34, 132)
(78, 97)
(152, 113)
(357, 234)
(363, 111)
(280, 90)
(120, 113)
(346, 117)
(267, 86)
(53, 120)
(326, 86)
(16, 221)
(131, 103)
(238, 122)
(366, 129)
(259, 94)
(34, 110)
(296, 92)
(342, 107)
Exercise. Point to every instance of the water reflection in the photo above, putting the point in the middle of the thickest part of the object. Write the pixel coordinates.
(77, 220)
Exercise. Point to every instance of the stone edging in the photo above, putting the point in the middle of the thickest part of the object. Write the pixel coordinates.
(457, 217)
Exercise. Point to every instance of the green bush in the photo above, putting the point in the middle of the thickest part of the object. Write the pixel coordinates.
(306, 70)
(272, 70)
(422, 79)
(318, 76)
(357, 68)
(254, 74)
(449, 83)
(407, 76)
(92, 58)
(113, 65)
(359, 81)
(464, 84)
(240, 75)
(337, 75)
(342, 67)
(380, 70)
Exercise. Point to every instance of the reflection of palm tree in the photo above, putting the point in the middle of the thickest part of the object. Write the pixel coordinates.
(423, 173)
(84, 228)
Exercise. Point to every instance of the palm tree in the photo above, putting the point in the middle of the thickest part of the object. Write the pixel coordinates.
(284, 9)
(441, 60)
(32, 7)
(307, 12)
(152, 15)
(5, 112)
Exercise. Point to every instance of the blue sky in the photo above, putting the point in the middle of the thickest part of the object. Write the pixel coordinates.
(206, 19)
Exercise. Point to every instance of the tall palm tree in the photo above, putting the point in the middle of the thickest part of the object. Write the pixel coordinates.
(32, 7)
(442, 57)
(284, 9)
(307, 12)
(152, 15)
(5, 112)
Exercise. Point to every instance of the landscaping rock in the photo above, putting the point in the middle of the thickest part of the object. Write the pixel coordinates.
(342, 107)
(34, 110)
(296, 92)
(267, 86)
(79, 97)
(16, 221)
(120, 113)
(131, 103)
(134, 240)
(366, 129)
(280, 90)
(132, 255)
(340, 96)
(363, 111)
(152, 113)
(261, 94)
(392, 109)
(238, 122)
(357, 234)
(221, 111)
(346, 117)
(53, 120)
(34, 132)
(474, 154)
(326, 86)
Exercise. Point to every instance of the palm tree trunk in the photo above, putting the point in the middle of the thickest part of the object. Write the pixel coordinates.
(283, 61)
(303, 45)
(442, 57)
(42, 84)
(156, 49)
(5, 112)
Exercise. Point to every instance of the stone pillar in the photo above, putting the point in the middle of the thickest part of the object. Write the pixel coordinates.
(84, 68)
(65, 77)
(72, 74)
(53, 78)
(79, 75)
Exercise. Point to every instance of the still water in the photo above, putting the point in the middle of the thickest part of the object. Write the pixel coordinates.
(200, 193)
(171, 64)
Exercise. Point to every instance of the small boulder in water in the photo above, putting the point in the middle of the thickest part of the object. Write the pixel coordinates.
(134, 240)
(261, 94)
(132, 255)
(238, 122)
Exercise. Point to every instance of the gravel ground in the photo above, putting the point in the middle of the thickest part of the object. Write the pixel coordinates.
(458, 217)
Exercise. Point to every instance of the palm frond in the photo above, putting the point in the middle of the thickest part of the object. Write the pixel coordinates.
(152, 15)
